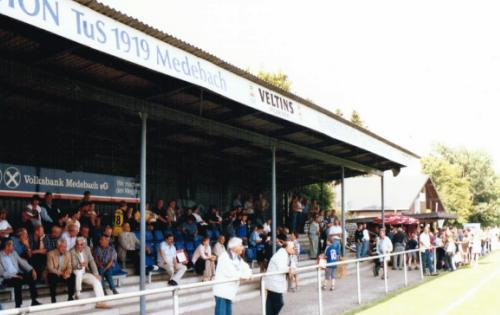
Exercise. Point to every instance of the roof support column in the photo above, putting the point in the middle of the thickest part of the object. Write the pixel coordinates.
(382, 199)
(144, 117)
(342, 215)
(273, 197)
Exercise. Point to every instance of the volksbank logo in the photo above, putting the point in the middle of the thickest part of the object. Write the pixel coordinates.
(12, 177)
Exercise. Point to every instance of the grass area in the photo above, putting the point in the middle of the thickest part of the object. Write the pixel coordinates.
(468, 291)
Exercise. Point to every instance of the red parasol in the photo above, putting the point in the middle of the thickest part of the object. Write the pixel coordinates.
(396, 219)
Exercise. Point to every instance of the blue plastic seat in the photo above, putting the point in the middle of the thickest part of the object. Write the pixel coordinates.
(190, 246)
(149, 236)
(158, 236)
(179, 245)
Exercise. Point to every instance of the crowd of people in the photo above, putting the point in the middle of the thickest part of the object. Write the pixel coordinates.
(90, 245)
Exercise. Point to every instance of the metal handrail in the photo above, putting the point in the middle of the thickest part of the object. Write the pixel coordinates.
(175, 290)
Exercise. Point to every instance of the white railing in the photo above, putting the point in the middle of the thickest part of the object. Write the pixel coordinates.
(175, 290)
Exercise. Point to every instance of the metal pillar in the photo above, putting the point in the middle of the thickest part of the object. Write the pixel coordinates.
(342, 193)
(385, 275)
(262, 296)
(358, 281)
(273, 197)
(382, 188)
(144, 117)
(320, 294)
(405, 267)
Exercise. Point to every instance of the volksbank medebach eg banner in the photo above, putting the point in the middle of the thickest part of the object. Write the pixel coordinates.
(24, 181)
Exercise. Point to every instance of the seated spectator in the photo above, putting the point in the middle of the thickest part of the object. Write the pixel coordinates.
(16, 271)
(22, 243)
(89, 216)
(85, 271)
(37, 214)
(242, 228)
(50, 242)
(204, 261)
(85, 233)
(219, 247)
(62, 220)
(104, 256)
(256, 242)
(75, 219)
(70, 236)
(197, 216)
(38, 253)
(167, 259)
(5, 227)
(214, 221)
(119, 218)
(128, 245)
(25, 221)
(189, 229)
(59, 270)
(267, 226)
(52, 210)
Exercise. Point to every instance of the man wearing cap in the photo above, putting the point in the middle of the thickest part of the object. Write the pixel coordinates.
(276, 285)
(230, 266)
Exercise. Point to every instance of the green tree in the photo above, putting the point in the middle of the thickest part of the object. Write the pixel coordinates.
(322, 192)
(278, 79)
(453, 189)
(339, 112)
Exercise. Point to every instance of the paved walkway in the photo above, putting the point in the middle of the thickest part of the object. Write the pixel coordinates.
(343, 298)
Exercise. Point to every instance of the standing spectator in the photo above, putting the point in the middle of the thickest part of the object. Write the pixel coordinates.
(70, 236)
(172, 212)
(85, 271)
(38, 216)
(304, 215)
(128, 245)
(50, 242)
(219, 247)
(267, 226)
(86, 196)
(426, 250)
(384, 247)
(296, 213)
(399, 240)
(38, 253)
(249, 206)
(88, 216)
(52, 210)
(75, 219)
(276, 285)
(105, 256)
(204, 261)
(358, 239)
(332, 255)
(5, 227)
(16, 271)
(293, 280)
(230, 266)
(261, 208)
(412, 257)
(59, 270)
(119, 218)
(450, 251)
(366, 241)
(475, 248)
(167, 259)
(314, 233)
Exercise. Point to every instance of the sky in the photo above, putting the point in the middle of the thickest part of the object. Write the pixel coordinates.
(418, 72)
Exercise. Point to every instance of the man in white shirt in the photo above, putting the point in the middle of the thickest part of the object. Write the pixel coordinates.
(276, 285)
(70, 236)
(167, 259)
(426, 250)
(230, 265)
(5, 227)
(384, 247)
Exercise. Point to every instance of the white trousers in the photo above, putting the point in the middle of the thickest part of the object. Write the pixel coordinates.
(176, 274)
(84, 277)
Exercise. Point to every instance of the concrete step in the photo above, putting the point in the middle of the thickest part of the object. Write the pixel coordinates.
(189, 300)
